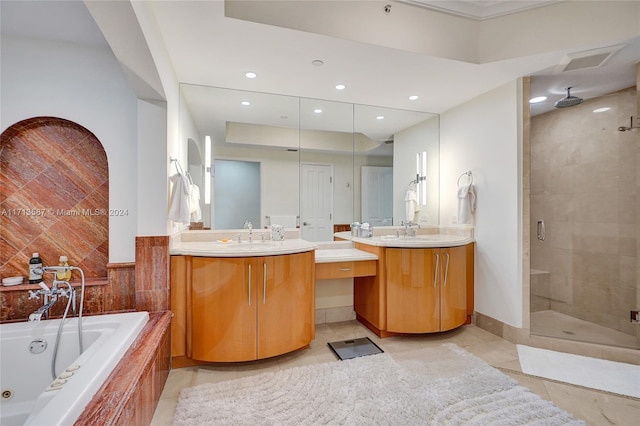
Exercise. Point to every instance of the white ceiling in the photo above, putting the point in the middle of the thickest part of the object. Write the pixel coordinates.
(209, 49)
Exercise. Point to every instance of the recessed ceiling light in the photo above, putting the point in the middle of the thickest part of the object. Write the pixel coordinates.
(340, 86)
(413, 97)
(603, 109)
(537, 99)
(317, 62)
(317, 110)
(250, 74)
(380, 117)
(245, 103)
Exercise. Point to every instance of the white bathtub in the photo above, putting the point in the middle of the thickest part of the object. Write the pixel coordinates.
(25, 377)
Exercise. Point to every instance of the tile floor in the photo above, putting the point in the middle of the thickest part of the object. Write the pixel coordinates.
(594, 407)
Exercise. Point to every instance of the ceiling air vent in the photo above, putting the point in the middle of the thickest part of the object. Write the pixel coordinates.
(587, 59)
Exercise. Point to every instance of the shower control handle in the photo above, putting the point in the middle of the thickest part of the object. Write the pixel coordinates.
(542, 234)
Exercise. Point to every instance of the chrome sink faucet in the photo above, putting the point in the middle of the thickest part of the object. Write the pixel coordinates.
(409, 230)
(248, 225)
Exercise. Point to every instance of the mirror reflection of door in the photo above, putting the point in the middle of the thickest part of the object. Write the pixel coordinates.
(236, 191)
(377, 195)
(316, 218)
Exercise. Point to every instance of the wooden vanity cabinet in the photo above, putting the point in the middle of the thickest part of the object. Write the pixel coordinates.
(251, 308)
(426, 289)
(414, 290)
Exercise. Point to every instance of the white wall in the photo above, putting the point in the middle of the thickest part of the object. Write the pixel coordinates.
(84, 85)
(484, 136)
(171, 145)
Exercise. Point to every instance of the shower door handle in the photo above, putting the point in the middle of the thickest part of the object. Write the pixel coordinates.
(541, 230)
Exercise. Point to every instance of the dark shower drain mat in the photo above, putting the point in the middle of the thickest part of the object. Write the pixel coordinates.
(353, 348)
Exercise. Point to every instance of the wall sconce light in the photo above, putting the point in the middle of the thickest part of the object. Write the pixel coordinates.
(207, 170)
(421, 177)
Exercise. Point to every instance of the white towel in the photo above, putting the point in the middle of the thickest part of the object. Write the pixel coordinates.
(194, 203)
(288, 221)
(466, 203)
(179, 201)
(411, 205)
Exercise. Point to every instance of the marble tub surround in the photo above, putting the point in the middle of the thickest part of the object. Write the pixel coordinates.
(130, 394)
(54, 198)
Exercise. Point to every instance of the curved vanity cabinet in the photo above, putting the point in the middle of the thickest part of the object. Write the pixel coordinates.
(426, 289)
(248, 308)
(417, 290)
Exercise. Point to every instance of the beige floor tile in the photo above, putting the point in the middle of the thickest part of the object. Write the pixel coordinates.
(164, 412)
(213, 375)
(594, 407)
(178, 378)
(494, 353)
(534, 384)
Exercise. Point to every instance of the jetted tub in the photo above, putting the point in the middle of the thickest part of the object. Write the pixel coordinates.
(25, 375)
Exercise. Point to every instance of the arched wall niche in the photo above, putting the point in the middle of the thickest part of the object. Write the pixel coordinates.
(54, 196)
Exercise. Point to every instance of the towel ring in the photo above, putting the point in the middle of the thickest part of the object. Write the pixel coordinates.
(469, 175)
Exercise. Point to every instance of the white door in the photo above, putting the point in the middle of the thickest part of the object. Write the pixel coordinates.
(377, 195)
(316, 217)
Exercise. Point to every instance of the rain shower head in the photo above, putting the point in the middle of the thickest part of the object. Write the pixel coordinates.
(568, 101)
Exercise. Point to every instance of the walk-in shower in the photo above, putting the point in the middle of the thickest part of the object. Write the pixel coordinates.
(585, 212)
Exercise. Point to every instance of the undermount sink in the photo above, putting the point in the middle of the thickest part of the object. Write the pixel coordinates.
(246, 246)
(407, 238)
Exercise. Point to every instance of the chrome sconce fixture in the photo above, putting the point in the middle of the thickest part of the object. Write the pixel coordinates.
(421, 177)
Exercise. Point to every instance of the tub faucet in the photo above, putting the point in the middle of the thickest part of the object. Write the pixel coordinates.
(51, 294)
(43, 310)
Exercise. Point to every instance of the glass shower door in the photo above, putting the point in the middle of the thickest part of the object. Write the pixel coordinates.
(585, 210)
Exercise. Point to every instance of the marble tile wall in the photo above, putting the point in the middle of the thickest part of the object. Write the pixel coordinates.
(585, 184)
(152, 273)
(54, 198)
(116, 293)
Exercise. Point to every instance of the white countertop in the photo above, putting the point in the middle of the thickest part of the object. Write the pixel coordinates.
(419, 241)
(343, 255)
(243, 249)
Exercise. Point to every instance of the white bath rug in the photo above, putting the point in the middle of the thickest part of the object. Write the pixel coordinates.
(443, 385)
(610, 376)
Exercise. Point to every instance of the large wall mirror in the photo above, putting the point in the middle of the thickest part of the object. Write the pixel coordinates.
(307, 163)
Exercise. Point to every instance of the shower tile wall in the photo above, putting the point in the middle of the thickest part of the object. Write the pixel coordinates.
(585, 184)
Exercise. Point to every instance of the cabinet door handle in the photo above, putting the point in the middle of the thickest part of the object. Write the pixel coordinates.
(345, 269)
(264, 283)
(446, 270)
(249, 285)
(435, 273)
